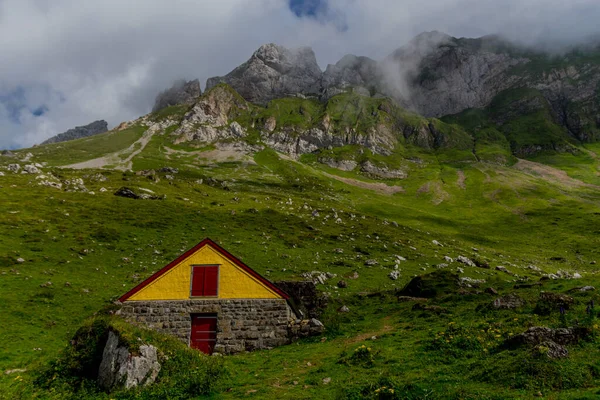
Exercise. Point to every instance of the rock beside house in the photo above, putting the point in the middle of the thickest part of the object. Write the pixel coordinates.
(305, 297)
(120, 369)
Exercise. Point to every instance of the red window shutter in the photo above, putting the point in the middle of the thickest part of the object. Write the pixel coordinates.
(211, 280)
(198, 281)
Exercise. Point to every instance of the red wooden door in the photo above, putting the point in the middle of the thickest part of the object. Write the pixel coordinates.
(204, 332)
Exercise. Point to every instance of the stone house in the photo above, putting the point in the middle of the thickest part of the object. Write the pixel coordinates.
(214, 302)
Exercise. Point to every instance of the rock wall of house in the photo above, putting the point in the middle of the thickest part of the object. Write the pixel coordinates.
(241, 324)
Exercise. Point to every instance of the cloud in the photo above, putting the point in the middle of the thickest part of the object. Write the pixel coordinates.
(70, 62)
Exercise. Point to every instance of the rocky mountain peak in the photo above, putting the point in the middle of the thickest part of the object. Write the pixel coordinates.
(272, 72)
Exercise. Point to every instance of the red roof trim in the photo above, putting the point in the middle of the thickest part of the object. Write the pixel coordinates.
(191, 251)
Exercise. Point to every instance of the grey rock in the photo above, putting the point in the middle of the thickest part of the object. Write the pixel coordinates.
(79, 132)
(508, 302)
(169, 170)
(7, 153)
(551, 350)
(394, 275)
(13, 168)
(382, 172)
(274, 72)
(342, 284)
(344, 165)
(131, 194)
(31, 169)
(539, 334)
(119, 368)
(343, 309)
(583, 289)
(465, 260)
(181, 92)
(371, 263)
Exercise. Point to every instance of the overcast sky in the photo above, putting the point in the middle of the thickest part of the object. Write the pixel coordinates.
(70, 62)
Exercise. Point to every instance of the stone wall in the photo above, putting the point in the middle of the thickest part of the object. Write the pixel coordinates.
(241, 324)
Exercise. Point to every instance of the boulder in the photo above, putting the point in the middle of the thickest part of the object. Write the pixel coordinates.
(381, 172)
(539, 334)
(583, 289)
(465, 260)
(551, 350)
(121, 369)
(13, 168)
(129, 193)
(31, 169)
(304, 297)
(431, 285)
(508, 302)
(549, 301)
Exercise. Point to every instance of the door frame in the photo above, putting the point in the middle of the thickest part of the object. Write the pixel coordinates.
(203, 315)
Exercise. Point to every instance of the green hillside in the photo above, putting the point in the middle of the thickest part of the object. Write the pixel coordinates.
(66, 254)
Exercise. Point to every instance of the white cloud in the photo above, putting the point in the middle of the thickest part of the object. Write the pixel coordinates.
(107, 59)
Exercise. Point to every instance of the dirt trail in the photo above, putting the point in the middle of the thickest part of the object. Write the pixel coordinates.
(550, 174)
(460, 181)
(115, 159)
(378, 187)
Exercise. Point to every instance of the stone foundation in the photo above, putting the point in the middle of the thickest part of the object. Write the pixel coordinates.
(242, 325)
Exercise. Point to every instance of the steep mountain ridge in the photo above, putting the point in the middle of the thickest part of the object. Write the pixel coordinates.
(435, 75)
(79, 132)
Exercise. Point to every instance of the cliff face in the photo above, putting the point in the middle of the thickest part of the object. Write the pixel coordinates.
(78, 132)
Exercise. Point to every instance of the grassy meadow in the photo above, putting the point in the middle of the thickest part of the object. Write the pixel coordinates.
(67, 254)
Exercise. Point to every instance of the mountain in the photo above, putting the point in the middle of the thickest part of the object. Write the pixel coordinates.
(182, 92)
(436, 75)
(448, 256)
(79, 132)
(274, 72)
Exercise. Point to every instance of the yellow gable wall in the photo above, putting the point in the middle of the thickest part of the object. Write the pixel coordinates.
(234, 282)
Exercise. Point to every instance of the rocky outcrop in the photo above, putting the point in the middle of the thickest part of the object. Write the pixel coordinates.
(181, 92)
(209, 120)
(274, 72)
(295, 141)
(79, 132)
(381, 172)
(121, 369)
